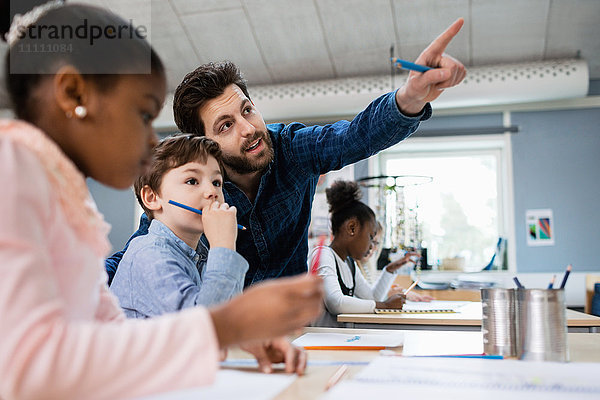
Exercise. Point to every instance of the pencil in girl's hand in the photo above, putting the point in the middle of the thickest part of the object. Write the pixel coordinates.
(195, 210)
(411, 287)
(551, 284)
(315, 262)
(564, 281)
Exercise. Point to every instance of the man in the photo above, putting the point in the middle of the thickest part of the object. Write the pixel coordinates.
(272, 171)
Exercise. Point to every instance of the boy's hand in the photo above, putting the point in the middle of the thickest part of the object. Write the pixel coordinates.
(268, 310)
(276, 351)
(220, 225)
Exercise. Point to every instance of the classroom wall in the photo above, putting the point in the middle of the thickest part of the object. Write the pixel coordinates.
(118, 208)
(556, 162)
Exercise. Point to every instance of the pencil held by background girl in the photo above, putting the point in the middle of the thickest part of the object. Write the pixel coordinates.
(88, 113)
(354, 228)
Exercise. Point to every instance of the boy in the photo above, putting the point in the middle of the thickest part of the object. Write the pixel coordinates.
(171, 268)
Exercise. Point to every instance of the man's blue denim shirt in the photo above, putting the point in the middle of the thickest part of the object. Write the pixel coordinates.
(160, 273)
(276, 242)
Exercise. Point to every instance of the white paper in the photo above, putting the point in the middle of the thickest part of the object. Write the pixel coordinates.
(391, 339)
(435, 305)
(232, 384)
(466, 379)
(437, 343)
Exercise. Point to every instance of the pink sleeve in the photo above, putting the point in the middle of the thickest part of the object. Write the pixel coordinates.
(108, 306)
(47, 353)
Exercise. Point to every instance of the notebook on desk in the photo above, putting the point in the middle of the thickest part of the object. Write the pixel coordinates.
(396, 311)
(430, 307)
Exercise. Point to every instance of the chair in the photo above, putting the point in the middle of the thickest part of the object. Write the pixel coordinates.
(590, 280)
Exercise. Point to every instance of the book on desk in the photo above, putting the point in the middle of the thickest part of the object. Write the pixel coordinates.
(400, 311)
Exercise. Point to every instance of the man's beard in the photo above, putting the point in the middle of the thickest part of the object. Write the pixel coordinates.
(243, 165)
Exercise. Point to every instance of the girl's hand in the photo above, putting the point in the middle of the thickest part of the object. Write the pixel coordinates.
(412, 295)
(394, 301)
(278, 350)
(410, 256)
(220, 225)
(268, 310)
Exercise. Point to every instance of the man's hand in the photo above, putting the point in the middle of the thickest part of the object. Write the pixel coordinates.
(276, 351)
(421, 88)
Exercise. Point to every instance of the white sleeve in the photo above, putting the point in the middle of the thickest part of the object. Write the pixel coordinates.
(335, 301)
(383, 285)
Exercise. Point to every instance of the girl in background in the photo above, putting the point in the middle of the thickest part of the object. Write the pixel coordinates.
(354, 228)
(86, 111)
(405, 264)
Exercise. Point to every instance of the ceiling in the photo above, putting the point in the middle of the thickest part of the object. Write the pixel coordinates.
(277, 41)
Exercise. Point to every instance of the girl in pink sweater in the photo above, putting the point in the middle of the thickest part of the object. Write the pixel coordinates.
(85, 110)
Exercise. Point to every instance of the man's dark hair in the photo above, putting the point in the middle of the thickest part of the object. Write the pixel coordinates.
(205, 83)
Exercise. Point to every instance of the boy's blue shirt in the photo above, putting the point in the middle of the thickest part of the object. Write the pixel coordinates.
(160, 273)
(276, 242)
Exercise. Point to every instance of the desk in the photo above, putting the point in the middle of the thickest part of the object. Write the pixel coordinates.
(583, 347)
(446, 294)
(469, 318)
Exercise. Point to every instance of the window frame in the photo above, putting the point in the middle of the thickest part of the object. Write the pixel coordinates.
(495, 144)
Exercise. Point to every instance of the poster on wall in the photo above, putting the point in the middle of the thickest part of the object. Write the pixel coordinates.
(540, 227)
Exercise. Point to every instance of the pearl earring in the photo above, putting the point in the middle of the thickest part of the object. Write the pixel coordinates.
(80, 112)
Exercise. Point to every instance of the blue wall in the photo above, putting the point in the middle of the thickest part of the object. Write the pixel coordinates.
(118, 208)
(556, 165)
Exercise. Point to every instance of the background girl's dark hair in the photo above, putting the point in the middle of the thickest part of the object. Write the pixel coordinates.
(172, 152)
(199, 86)
(344, 203)
(102, 62)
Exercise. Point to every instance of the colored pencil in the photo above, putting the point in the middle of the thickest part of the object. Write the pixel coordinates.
(518, 283)
(411, 287)
(410, 66)
(564, 281)
(343, 347)
(487, 356)
(315, 264)
(551, 284)
(335, 378)
(195, 210)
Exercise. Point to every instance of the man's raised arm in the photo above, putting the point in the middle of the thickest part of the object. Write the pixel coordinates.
(421, 88)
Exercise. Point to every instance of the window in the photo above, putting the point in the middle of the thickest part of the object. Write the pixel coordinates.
(461, 213)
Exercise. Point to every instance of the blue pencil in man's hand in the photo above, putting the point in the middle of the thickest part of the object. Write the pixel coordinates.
(410, 66)
(195, 210)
